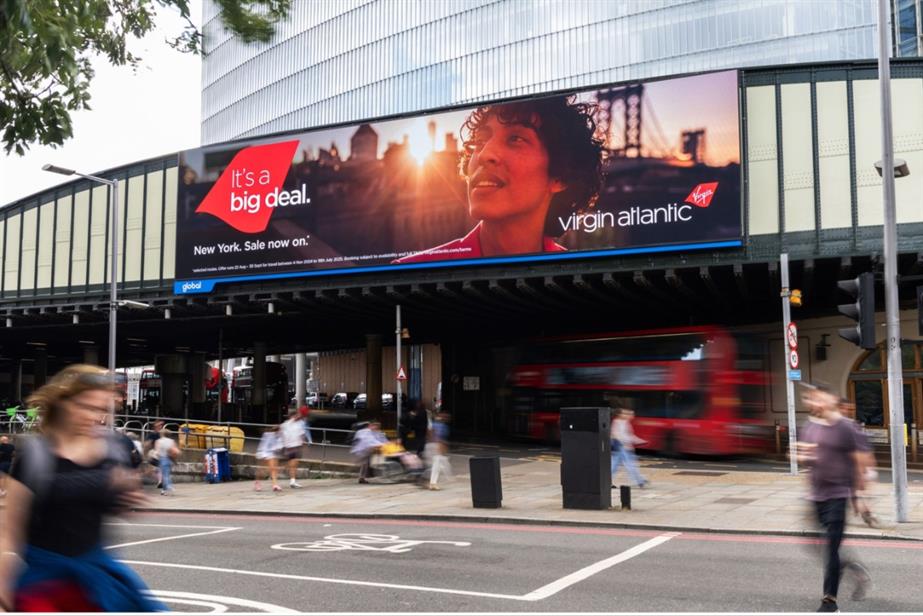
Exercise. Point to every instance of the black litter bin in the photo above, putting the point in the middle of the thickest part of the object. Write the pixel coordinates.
(585, 458)
(486, 491)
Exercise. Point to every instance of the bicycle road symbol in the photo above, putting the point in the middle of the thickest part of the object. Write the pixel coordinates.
(362, 542)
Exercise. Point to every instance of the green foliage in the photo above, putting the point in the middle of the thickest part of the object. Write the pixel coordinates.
(46, 47)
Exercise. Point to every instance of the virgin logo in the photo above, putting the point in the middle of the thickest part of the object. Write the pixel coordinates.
(702, 194)
(248, 190)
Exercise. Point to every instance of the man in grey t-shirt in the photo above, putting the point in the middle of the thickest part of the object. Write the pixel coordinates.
(830, 445)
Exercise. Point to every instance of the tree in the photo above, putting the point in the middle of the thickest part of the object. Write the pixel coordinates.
(46, 47)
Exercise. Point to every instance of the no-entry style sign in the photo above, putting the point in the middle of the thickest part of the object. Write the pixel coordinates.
(792, 335)
(793, 359)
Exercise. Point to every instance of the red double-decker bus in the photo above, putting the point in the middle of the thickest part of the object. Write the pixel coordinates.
(694, 391)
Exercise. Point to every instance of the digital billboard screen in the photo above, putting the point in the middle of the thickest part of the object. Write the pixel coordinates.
(629, 168)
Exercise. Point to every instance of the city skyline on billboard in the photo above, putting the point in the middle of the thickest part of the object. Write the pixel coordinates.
(639, 167)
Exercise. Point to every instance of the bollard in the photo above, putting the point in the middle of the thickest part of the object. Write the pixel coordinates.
(625, 497)
(486, 489)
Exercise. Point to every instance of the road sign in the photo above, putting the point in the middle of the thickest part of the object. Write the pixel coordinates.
(402, 374)
(793, 359)
(794, 375)
(792, 335)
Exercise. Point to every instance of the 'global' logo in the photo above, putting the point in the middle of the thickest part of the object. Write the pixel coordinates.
(191, 286)
(702, 194)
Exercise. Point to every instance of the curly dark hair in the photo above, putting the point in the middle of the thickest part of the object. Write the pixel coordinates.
(568, 131)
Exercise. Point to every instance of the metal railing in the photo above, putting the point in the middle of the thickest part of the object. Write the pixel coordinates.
(26, 420)
(174, 424)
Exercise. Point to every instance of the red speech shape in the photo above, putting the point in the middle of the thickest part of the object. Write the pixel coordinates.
(702, 194)
(239, 196)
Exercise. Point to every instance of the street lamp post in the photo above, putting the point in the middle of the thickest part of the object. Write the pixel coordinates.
(113, 301)
(892, 317)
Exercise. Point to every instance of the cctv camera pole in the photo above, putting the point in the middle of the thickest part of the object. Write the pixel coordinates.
(397, 370)
(789, 385)
(895, 369)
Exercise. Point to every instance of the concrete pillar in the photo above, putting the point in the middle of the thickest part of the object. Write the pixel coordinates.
(372, 379)
(172, 370)
(39, 369)
(258, 395)
(91, 355)
(197, 376)
(300, 377)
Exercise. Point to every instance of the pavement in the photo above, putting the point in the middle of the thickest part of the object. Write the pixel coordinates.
(720, 499)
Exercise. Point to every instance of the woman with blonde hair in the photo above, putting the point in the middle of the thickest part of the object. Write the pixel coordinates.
(63, 483)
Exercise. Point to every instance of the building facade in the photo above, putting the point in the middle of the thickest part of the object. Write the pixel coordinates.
(908, 27)
(335, 61)
(809, 137)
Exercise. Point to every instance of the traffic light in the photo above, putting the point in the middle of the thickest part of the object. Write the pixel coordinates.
(862, 311)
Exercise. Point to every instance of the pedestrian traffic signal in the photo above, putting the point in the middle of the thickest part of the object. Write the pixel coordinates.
(862, 311)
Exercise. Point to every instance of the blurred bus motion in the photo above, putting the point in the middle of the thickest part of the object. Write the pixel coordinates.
(694, 391)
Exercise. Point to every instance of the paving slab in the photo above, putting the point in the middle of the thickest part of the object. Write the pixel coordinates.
(759, 502)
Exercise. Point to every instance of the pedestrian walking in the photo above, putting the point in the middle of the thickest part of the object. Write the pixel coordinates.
(830, 447)
(292, 440)
(63, 483)
(438, 447)
(267, 453)
(167, 455)
(7, 451)
(866, 460)
(414, 427)
(305, 412)
(623, 441)
(366, 443)
(150, 452)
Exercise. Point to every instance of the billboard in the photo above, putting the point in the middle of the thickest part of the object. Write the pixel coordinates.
(622, 169)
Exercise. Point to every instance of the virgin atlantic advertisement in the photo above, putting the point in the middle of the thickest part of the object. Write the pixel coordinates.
(617, 170)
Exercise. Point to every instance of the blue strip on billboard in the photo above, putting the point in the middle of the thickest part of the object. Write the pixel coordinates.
(615, 170)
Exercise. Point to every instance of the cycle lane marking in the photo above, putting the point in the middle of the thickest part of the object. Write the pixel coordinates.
(544, 592)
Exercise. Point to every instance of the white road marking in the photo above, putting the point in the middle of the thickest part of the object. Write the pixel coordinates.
(362, 542)
(172, 537)
(309, 578)
(214, 607)
(219, 603)
(578, 576)
(161, 525)
(539, 594)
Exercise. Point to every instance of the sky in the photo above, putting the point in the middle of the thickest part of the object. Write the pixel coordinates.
(135, 115)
